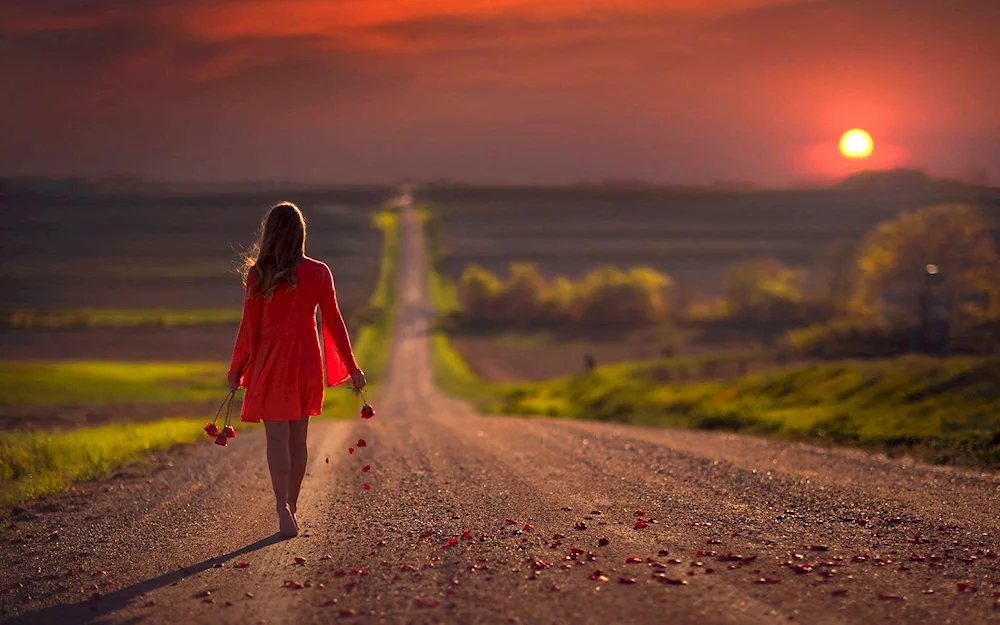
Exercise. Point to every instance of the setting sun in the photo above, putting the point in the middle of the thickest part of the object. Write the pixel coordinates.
(856, 144)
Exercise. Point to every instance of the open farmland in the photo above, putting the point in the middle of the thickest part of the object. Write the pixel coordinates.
(81, 270)
(693, 235)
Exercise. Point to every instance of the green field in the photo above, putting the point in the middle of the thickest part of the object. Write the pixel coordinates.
(101, 382)
(39, 462)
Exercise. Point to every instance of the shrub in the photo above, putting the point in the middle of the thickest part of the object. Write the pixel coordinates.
(846, 338)
(609, 296)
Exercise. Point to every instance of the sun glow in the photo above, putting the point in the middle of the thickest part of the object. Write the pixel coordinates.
(856, 143)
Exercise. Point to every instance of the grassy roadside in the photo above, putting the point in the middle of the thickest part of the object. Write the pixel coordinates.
(942, 411)
(37, 463)
(371, 347)
(451, 373)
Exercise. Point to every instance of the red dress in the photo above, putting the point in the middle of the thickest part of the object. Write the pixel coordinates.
(277, 354)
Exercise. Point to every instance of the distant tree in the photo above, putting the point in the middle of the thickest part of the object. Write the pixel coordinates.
(479, 292)
(891, 266)
(524, 296)
(562, 300)
(764, 289)
(609, 296)
(835, 276)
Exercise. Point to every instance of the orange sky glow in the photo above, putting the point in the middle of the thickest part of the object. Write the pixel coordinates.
(679, 91)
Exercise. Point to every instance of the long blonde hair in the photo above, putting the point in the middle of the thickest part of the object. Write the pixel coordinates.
(277, 252)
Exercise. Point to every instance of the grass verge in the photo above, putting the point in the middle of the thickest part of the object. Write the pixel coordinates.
(451, 373)
(942, 411)
(35, 463)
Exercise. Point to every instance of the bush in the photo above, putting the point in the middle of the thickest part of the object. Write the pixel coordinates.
(609, 296)
(606, 297)
(479, 292)
(846, 338)
(764, 290)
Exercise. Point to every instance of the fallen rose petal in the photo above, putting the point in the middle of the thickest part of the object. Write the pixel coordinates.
(329, 602)
(598, 576)
(362, 443)
(768, 580)
(633, 560)
(640, 524)
(840, 592)
(366, 468)
(242, 565)
(328, 459)
(427, 603)
(345, 613)
(965, 587)
(350, 450)
(299, 560)
(626, 580)
(528, 527)
(890, 597)
(367, 487)
(639, 513)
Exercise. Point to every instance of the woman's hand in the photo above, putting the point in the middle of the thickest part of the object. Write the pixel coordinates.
(234, 381)
(359, 379)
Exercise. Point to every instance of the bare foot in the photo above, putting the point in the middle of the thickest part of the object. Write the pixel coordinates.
(287, 526)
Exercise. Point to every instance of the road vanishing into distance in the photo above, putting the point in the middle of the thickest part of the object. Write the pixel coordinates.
(480, 519)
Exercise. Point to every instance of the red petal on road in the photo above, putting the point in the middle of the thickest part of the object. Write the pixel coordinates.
(427, 603)
(768, 580)
(328, 459)
(218, 565)
(639, 513)
(581, 525)
(965, 587)
(346, 613)
(840, 592)
(367, 487)
(603, 542)
(366, 468)
(528, 527)
(350, 450)
(242, 565)
(329, 602)
(890, 597)
(640, 524)
(511, 522)
(426, 534)
(362, 443)
(299, 560)
(626, 580)
(633, 560)
(553, 588)
(467, 535)
(598, 576)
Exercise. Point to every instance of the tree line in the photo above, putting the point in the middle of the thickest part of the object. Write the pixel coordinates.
(939, 262)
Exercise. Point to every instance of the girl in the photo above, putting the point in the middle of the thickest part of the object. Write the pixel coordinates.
(277, 354)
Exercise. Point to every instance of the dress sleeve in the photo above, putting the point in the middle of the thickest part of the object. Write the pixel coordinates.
(340, 362)
(246, 340)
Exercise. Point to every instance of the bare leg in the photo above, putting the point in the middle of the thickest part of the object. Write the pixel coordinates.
(279, 464)
(298, 451)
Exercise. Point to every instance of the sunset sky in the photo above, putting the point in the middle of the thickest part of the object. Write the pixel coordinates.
(679, 91)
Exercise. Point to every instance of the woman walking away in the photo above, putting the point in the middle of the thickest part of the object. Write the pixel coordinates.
(277, 354)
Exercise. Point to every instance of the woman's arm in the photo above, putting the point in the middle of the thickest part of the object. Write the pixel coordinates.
(340, 363)
(246, 339)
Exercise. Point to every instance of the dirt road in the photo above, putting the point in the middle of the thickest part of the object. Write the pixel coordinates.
(475, 519)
